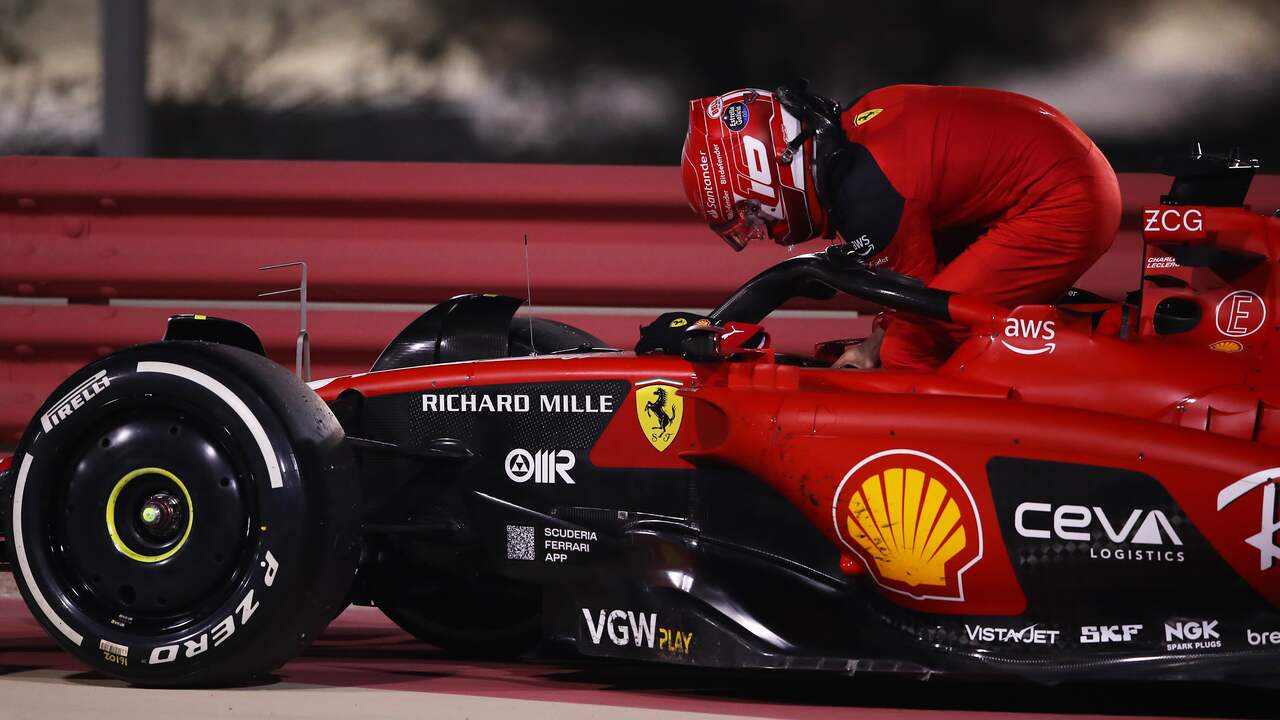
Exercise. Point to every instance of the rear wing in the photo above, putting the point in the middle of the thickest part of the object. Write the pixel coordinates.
(1202, 221)
(1208, 258)
(1205, 179)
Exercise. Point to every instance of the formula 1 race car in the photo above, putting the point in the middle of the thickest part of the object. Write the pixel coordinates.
(1083, 490)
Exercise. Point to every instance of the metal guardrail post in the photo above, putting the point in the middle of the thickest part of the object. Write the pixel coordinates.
(125, 47)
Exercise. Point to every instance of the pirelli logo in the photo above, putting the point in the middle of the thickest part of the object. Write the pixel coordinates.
(75, 400)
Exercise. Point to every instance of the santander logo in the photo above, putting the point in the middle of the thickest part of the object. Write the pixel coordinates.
(1029, 337)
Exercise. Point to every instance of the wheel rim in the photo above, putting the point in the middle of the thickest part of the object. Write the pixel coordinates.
(153, 521)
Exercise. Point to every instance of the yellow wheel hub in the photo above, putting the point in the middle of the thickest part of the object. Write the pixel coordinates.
(149, 514)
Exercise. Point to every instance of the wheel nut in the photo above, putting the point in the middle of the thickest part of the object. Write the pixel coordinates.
(161, 514)
(150, 514)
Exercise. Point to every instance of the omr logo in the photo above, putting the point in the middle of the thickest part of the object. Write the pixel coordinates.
(1241, 313)
(543, 466)
(912, 521)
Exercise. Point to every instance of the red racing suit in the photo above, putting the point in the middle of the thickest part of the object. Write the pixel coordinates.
(1009, 183)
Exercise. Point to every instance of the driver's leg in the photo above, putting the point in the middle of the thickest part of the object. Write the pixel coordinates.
(1033, 257)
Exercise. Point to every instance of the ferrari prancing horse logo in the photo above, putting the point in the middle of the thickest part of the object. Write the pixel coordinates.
(864, 117)
(660, 411)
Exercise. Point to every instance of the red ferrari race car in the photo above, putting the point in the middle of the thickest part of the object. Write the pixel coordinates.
(1083, 490)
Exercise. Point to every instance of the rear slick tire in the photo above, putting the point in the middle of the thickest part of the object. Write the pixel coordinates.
(183, 514)
(480, 618)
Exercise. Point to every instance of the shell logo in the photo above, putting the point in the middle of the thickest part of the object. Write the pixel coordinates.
(1226, 346)
(912, 521)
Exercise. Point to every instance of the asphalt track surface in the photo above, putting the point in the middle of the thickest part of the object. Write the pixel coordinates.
(364, 667)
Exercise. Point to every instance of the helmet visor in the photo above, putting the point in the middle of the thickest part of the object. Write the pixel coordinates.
(748, 224)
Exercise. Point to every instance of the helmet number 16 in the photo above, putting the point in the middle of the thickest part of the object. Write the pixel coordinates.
(758, 167)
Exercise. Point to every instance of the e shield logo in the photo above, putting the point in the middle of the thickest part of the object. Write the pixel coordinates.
(1240, 314)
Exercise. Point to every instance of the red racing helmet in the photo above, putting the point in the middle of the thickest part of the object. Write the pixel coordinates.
(739, 174)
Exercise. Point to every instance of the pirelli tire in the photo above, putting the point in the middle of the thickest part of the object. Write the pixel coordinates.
(183, 514)
(481, 617)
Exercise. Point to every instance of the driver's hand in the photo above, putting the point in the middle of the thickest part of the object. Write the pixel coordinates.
(864, 355)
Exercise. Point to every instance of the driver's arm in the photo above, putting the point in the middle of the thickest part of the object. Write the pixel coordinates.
(885, 230)
(864, 355)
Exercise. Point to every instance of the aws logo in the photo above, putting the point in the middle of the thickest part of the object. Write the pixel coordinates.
(865, 117)
(1029, 336)
(660, 411)
(912, 521)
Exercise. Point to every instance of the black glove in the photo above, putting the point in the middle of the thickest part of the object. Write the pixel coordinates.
(666, 334)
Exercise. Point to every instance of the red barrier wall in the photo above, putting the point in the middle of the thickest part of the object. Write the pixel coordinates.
(603, 242)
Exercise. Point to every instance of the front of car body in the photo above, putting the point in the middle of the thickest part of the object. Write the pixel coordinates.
(578, 484)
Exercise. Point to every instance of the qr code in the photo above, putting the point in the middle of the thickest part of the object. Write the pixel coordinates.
(520, 542)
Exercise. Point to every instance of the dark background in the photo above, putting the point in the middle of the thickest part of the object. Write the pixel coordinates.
(607, 81)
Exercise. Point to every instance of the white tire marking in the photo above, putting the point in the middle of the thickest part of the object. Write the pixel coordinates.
(234, 402)
(20, 547)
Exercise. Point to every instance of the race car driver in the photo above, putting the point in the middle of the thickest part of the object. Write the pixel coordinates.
(975, 191)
